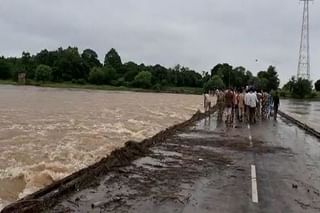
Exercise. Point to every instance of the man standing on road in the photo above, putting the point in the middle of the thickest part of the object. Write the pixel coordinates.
(276, 104)
(247, 107)
(220, 104)
(236, 104)
(258, 108)
(252, 101)
(229, 104)
(264, 106)
(206, 102)
(241, 105)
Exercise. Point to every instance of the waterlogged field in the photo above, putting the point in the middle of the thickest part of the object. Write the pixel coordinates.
(307, 112)
(46, 134)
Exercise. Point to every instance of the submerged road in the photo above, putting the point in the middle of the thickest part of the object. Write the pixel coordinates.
(267, 167)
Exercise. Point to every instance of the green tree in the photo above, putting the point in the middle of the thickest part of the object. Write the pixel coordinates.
(191, 78)
(302, 88)
(232, 77)
(110, 74)
(205, 76)
(317, 85)
(143, 80)
(248, 77)
(159, 73)
(214, 83)
(239, 77)
(130, 70)
(69, 65)
(261, 83)
(46, 57)
(43, 73)
(271, 77)
(28, 64)
(289, 85)
(113, 59)
(225, 71)
(5, 70)
(96, 76)
(90, 58)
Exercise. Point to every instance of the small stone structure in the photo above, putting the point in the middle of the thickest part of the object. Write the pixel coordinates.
(22, 78)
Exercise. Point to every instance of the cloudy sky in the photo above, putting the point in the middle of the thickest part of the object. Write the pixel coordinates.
(194, 33)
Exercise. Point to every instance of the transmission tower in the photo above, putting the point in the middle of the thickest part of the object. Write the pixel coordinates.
(304, 53)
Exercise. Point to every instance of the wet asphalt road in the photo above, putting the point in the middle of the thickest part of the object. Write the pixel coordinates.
(209, 168)
(287, 181)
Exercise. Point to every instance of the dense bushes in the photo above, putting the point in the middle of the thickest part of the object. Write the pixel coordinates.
(301, 88)
(96, 76)
(143, 80)
(5, 70)
(298, 88)
(43, 73)
(317, 85)
(214, 83)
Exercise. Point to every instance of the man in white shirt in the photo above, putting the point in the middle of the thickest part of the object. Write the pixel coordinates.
(252, 102)
(206, 103)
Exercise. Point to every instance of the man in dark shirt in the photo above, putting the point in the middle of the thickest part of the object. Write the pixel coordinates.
(276, 104)
(229, 105)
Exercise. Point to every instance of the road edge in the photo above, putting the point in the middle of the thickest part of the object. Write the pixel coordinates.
(303, 126)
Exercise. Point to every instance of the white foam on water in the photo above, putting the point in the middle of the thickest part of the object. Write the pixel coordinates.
(192, 109)
(137, 122)
(16, 126)
(3, 204)
(36, 176)
(72, 130)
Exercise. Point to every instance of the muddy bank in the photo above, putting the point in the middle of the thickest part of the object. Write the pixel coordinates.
(48, 196)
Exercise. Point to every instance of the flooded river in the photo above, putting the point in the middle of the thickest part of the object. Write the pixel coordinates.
(46, 134)
(304, 111)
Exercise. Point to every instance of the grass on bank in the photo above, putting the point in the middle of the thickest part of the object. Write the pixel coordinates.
(178, 90)
(70, 85)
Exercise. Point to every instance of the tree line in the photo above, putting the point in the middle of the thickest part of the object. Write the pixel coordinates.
(300, 88)
(69, 65)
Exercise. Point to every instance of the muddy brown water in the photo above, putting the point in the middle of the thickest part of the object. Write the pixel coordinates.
(46, 134)
(307, 112)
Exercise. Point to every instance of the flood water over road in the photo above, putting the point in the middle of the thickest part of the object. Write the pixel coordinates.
(304, 111)
(46, 134)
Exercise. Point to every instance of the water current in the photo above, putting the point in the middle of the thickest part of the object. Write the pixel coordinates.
(46, 134)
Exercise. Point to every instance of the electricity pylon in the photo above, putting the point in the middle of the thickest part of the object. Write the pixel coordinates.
(304, 53)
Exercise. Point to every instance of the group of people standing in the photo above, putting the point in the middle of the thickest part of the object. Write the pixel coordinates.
(245, 105)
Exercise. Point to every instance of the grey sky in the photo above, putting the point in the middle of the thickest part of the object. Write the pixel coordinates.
(198, 34)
